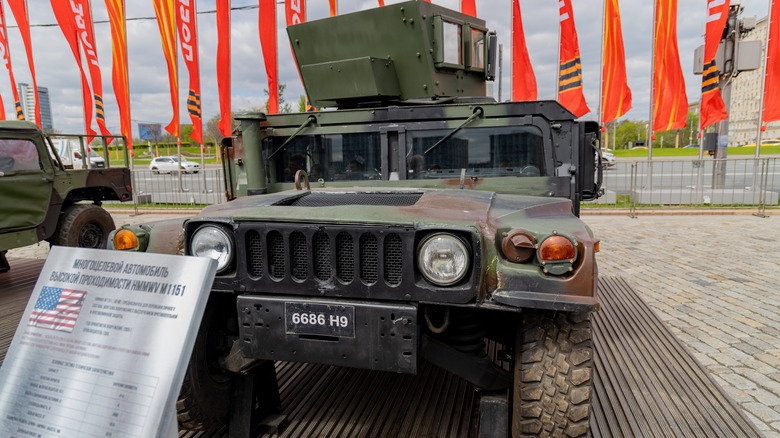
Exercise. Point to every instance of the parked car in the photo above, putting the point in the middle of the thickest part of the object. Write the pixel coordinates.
(608, 159)
(172, 164)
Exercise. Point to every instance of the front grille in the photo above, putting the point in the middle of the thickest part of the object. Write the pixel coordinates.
(324, 254)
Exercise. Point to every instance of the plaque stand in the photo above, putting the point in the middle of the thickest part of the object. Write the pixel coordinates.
(255, 404)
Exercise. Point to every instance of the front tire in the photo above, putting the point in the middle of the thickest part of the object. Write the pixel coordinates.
(553, 374)
(83, 226)
(204, 398)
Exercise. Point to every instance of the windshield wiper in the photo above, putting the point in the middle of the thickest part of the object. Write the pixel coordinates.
(477, 113)
(310, 119)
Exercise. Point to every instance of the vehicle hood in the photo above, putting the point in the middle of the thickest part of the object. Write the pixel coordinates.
(451, 207)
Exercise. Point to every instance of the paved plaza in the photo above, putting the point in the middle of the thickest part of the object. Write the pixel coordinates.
(714, 279)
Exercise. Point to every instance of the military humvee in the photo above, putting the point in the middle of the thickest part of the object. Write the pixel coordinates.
(42, 200)
(419, 220)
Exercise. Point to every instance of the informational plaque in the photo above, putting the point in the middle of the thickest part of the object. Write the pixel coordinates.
(103, 345)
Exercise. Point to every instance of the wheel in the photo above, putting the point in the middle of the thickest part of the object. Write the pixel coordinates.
(155, 171)
(205, 394)
(83, 225)
(552, 374)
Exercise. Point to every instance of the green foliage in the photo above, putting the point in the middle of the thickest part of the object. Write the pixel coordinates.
(628, 132)
(283, 106)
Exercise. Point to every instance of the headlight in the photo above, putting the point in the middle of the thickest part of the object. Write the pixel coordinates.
(214, 243)
(443, 259)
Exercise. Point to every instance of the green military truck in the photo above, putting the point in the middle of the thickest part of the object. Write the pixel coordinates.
(420, 219)
(42, 200)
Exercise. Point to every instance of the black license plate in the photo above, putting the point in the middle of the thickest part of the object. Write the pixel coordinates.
(319, 319)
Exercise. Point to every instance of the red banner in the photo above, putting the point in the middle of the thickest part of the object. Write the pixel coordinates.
(670, 103)
(523, 78)
(19, 9)
(119, 76)
(295, 11)
(186, 25)
(267, 25)
(469, 7)
(6, 56)
(712, 107)
(381, 3)
(86, 31)
(163, 9)
(771, 111)
(65, 18)
(615, 94)
(334, 7)
(570, 69)
(223, 66)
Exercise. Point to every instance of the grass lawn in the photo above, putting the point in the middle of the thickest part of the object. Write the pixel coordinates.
(743, 152)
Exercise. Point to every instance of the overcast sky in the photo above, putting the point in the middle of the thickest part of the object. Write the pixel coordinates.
(150, 102)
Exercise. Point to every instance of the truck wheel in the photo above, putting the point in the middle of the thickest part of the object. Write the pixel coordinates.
(85, 226)
(205, 394)
(553, 374)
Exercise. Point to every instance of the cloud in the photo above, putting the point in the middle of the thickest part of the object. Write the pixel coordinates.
(150, 102)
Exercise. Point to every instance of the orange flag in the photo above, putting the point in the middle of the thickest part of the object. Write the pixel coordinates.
(186, 25)
(223, 66)
(67, 22)
(381, 3)
(334, 7)
(295, 11)
(19, 9)
(83, 16)
(570, 70)
(523, 78)
(119, 77)
(469, 7)
(670, 103)
(615, 94)
(7, 62)
(772, 80)
(267, 25)
(712, 107)
(163, 9)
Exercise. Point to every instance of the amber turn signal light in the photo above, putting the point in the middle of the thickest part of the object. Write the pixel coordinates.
(125, 240)
(556, 248)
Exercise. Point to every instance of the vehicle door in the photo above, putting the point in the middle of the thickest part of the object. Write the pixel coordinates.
(25, 183)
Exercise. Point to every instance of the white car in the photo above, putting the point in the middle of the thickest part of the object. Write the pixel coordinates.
(171, 164)
(608, 159)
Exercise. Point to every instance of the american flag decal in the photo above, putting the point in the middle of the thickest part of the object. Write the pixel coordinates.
(57, 309)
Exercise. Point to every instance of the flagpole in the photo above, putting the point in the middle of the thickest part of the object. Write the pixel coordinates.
(558, 60)
(127, 87)
(200, 98)
(763, 82)
(512, 59)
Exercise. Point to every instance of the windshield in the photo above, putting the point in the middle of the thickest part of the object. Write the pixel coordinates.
(482, 152)
(333, 157)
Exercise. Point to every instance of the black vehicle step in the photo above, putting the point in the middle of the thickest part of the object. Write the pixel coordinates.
(646, 383)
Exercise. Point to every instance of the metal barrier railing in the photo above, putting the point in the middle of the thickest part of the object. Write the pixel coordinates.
(660, 183)
(633, 185)
(178, 189)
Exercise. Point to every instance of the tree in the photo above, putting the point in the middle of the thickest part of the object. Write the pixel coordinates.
(283, 106)
(211, 131)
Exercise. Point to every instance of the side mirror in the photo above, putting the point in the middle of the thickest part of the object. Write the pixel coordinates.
(492, 49)
(76, 155)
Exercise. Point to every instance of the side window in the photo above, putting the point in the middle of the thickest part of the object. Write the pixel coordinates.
(17, 155)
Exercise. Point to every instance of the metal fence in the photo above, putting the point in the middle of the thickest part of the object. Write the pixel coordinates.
(747, 183)
(178, 189)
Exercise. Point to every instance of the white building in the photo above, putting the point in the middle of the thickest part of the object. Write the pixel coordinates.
(27, 96)
(746, 98)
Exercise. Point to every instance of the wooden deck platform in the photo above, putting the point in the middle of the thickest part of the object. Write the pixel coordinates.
(646, 383)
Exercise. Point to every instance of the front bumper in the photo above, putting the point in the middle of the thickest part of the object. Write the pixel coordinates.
(377, 336)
